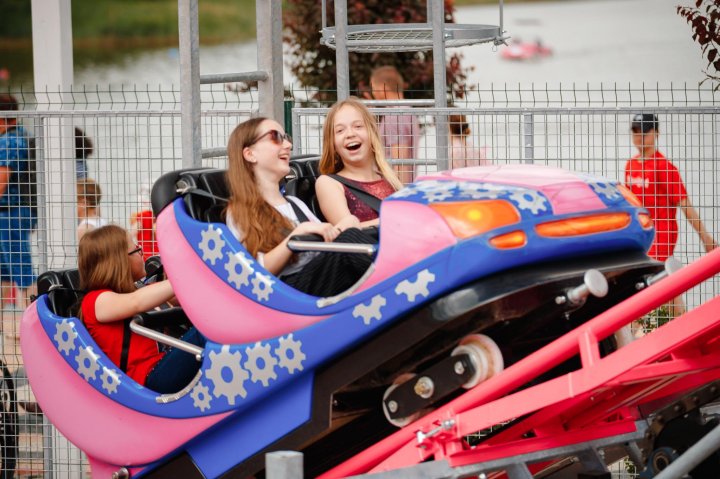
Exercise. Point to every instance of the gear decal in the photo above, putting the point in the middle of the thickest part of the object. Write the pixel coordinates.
(262, 286)
(370, 311)
(529, 200)
(261, 363)
(238, 269)
(87, 364)
(201, 396)
(289, 352)
(480, 191)
(65, 335)
(608, 190)
(226, 374)
(212, 244)
(110, 380)
(419, 287)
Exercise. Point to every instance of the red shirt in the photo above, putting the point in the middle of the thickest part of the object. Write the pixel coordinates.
(143, 353)
(379, 188)
(658, 185)
(146, 233)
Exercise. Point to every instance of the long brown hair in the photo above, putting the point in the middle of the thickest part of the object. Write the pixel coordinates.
(262, 226)
(103, 261)
(331, 163)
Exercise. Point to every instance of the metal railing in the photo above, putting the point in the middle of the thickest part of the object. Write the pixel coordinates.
(137, 136)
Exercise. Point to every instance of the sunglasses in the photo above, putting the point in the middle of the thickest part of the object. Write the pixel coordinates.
(275, 136)
(135, 251)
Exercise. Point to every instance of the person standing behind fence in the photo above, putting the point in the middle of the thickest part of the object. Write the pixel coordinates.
(89, 195)
(462, 151)
(657, 183)
(16, 218)
(142, 224)
(83, 149)
(400, 133)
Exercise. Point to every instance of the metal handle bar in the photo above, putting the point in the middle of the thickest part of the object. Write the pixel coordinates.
(136, 326)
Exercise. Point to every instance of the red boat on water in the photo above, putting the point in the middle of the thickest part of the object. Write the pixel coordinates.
(519, 50)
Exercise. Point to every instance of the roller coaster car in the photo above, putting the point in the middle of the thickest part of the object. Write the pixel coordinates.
(474, 269)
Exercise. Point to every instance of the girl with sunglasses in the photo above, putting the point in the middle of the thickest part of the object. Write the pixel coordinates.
(263, 219)
(109, 264)
(355, 176)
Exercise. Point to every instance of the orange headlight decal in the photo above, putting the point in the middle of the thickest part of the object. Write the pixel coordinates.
(584, 225)
(514, 239)
(472, 218)
(645, 221)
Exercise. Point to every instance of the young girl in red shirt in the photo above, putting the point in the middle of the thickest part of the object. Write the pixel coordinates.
(109, 265)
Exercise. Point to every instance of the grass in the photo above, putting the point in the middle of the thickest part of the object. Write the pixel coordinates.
(128, 23)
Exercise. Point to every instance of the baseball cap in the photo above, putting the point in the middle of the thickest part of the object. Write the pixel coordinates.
(644, 122)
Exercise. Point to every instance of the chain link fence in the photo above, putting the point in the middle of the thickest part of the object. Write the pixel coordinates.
(135, 137)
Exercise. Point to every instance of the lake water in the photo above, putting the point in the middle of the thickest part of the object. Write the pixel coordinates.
(592, 41)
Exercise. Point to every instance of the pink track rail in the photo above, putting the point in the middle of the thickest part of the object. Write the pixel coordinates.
(601, 399)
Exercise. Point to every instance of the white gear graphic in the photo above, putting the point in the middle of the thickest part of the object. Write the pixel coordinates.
(405, 192)
(607, 190)
(238, 261)
(265, 373)
(110, 380)
(201, 396)
(65, 335)
(478, 191)
(370, 311)
(262, 286)
(419, 287)
(211, 244)
(529, 200)
(290, 354)
(87, 362)
(437, 195)
(233, 387)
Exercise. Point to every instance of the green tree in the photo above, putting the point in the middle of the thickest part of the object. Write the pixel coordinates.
(314, 64)
(704, 19)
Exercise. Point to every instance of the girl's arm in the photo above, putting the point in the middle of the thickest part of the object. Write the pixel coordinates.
(275, 260)
(331, 196)
(694, 219)
(111, 306)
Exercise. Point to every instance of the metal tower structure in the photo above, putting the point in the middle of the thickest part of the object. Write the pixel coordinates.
(268, 18)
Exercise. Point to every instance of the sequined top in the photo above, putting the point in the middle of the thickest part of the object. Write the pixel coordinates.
(379, 188)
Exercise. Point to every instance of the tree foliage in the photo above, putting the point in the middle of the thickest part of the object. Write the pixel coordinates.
(704, 19)
(314, 64)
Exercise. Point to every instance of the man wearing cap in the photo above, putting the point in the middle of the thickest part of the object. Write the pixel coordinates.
(659, 186)
(16, 218)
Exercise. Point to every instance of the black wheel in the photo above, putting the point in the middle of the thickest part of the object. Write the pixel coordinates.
(8, 424)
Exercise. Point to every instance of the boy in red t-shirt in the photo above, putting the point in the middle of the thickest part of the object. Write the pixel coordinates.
(659, 186)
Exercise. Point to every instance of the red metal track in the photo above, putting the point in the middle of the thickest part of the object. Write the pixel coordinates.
(601, 399)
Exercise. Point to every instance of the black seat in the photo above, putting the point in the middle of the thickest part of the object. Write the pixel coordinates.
(304, 170)
(205, 190)
(63, 290)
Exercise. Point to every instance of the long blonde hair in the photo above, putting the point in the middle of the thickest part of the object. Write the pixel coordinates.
(263, 226)
(331, 163)
(103, 261)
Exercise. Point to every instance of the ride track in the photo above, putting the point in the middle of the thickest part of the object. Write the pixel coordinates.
(603, 399)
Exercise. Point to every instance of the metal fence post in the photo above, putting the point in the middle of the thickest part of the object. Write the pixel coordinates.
(529, 138)
(284, 465)
(270, 57)
(189, 82)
